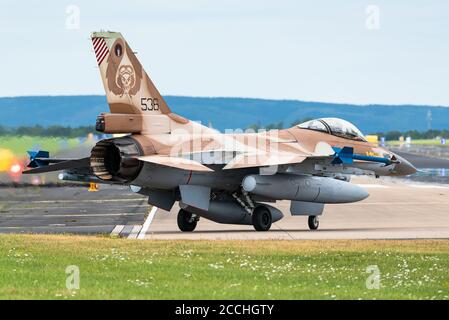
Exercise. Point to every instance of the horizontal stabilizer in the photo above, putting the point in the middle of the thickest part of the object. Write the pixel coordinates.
(62, 165)
(42, 158)
(179, 163)
(38, 158)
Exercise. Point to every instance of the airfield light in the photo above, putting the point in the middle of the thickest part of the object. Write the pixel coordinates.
(36, 180)
(16, 168)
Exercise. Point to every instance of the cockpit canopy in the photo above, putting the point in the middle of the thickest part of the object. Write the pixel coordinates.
(334, 126)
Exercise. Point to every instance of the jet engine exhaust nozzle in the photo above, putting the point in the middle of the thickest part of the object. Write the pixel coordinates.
(116, 159)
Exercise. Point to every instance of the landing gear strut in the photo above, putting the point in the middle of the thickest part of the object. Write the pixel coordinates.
(314, 222)
(186, 221)
(262, 218)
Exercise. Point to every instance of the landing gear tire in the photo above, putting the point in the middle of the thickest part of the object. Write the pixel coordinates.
(186, 221)
(262, 218)
(314, 222)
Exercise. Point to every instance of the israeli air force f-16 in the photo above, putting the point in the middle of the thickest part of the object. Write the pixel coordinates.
(224, 177)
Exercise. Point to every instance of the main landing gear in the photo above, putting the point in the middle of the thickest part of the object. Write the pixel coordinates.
(187, 221)
(262, 218)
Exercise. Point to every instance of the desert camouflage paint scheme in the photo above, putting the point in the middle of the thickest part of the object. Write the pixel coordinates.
(223, 177)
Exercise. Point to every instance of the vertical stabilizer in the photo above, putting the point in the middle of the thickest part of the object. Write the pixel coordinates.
(129, 89)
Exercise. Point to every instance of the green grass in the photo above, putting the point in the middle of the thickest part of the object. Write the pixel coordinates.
(19, 145)
(33, 266)
(435, 142)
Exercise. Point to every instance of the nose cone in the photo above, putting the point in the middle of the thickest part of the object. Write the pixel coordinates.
(403, 168)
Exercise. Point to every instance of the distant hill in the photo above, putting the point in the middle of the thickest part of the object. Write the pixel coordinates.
(224, 112)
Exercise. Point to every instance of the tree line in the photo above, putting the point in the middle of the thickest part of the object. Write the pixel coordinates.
(389, 135)
(415, 134)
(51, 131)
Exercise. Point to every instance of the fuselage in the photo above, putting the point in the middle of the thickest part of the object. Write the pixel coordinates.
(216, 150)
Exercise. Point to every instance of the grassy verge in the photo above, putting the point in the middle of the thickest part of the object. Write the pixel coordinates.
(19, 145)
(33, 266)
(433, 142)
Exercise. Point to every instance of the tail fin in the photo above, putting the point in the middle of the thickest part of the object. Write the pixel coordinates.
(129, 89)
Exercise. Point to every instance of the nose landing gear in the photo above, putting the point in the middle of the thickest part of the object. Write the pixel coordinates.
(314, 222)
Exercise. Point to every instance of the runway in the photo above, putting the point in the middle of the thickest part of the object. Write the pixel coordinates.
(69, 210)
(396, 209)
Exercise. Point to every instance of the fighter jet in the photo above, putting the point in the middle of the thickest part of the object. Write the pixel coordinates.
(224, 177)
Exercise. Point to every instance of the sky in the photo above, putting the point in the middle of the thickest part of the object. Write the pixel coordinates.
(351, 51)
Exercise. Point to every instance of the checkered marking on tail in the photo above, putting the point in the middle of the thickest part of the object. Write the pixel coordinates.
(100, 48)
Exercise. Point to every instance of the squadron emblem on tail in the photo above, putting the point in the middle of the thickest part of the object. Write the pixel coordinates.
(124, 72)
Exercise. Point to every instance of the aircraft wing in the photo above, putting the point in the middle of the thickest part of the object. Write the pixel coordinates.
(263, 159)
(334, 155)
(288, 152)
(40, 162)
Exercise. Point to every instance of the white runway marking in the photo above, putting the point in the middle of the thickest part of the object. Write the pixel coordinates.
(134, 232)
(428, 186)
(400, 203)
(46, 227)
(68, 215)
(76, 201)
(118, 228)
(77, 207)
(422, 186)
(372, 186)
(147, 223)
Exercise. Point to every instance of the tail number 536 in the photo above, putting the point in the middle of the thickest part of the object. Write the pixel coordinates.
(149, 104)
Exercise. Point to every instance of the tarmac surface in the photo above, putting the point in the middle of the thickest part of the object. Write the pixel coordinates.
(423, 161)
(69, 209)
(396, 209)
